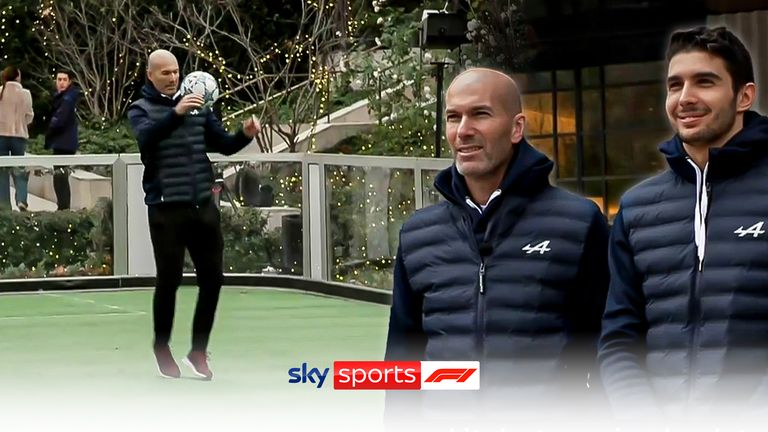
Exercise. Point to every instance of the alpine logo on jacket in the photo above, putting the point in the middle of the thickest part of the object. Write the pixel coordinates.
(755, 230)
(541, 248)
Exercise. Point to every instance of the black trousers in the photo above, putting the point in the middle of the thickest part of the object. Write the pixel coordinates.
(61, 182)
(173, 228)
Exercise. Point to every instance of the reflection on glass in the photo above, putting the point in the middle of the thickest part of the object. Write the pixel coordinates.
(567, 156)
(429, 194)
(593, 155)
(534, 82)
(636, 107)
(544, 145)
(565, 79)
(566, 112)
(590, 77)
(594, 191)
(261, 217)
(367, 206)
(569, 185)
(537, 108)
(591, 111)
(635, 72)
(46, 242)
(635, 153)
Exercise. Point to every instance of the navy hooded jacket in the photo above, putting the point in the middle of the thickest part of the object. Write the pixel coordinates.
(686, 320)
(173, 148)
(520, 287)
(62, 130)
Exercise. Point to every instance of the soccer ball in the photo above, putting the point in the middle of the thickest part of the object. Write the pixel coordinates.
(203, 84)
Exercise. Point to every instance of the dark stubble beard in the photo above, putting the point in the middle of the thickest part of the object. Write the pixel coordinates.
(721, 124)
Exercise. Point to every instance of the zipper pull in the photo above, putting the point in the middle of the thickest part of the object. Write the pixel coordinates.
(482, 277)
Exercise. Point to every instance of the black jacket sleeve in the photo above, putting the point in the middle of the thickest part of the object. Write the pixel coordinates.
(148, 132)
(622, 343)
(406, 339)
(586, 300)
(219, 140)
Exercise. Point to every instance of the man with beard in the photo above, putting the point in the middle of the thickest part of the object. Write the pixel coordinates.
(685, 328)
(509, 270)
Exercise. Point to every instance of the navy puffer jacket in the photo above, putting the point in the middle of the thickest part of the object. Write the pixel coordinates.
(173, 148)
(686, 321)
(519, 287)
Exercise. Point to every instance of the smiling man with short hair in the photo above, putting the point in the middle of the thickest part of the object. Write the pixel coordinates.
(508, 270)
(686, 321)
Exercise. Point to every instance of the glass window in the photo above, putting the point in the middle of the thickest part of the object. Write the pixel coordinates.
(537, 108)
(566, 112)
(635, 72)
(636, 152)
(590, 77)
(636, 107)
(544, 145)
(565, 79)
(595, 191)
(566, 156)
(570, 185)
(534, 82)
(591, 111)
(593, 155)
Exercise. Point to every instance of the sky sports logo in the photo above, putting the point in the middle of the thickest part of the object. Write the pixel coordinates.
(392, 375)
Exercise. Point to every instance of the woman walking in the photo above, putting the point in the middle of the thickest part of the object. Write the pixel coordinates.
(15, 114)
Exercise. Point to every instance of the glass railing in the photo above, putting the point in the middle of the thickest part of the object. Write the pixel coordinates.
(326, 217)
(38, 240)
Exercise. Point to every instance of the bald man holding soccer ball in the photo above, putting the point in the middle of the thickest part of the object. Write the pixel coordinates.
(174, 129)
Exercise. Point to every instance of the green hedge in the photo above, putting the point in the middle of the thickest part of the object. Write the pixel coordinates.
(79, 243)
(64, 243)
(248, 246)
(95, 139)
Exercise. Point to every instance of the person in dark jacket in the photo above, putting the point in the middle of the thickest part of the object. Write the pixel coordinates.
(174, 134)
(685, 328)
(61, 136)
(508, 270)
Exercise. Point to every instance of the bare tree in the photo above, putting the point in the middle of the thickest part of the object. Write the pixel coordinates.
(285, 83)
(98, 41)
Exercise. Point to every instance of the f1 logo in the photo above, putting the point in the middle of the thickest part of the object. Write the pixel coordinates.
(450, 375)
(406, 375)
(458, 375)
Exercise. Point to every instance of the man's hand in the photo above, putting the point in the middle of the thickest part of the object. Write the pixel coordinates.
(251, 127)
(188, 103)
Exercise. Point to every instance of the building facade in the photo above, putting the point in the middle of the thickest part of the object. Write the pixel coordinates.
(594, 92)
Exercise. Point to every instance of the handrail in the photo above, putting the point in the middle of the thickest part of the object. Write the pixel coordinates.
(249, 108)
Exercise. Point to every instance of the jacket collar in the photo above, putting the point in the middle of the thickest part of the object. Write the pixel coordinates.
(527, 173)
(734, 158)
(150, 92)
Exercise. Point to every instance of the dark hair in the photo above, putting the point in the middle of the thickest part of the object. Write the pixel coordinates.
(65, 72)
(720, 42)
(10, 73)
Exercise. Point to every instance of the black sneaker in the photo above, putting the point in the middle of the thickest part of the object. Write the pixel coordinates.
(166, 365)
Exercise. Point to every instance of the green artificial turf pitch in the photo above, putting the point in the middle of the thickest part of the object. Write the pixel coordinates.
(95, 347)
